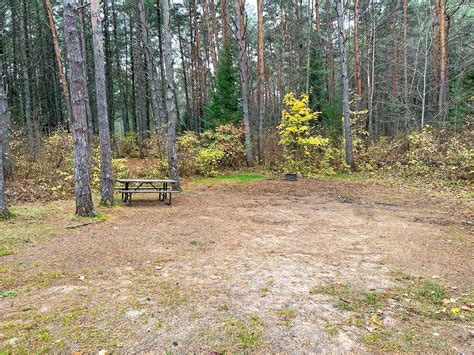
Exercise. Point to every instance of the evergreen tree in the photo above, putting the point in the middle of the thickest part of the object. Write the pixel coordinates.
(224, 106)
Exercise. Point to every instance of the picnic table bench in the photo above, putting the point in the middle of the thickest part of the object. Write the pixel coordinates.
(164, 188)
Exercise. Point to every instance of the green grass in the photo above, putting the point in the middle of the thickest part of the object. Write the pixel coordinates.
(286, 316)
(235, 335)
(31, 223)
(34, 221)
(238, 178)
(420, 307)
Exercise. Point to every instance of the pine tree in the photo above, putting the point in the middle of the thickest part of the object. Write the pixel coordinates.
(82, 187)
(224, 106)
(4, 214)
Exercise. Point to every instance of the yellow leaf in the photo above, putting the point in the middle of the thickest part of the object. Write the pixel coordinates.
(374, 319)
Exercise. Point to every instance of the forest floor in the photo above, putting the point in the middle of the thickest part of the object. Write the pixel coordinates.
(257, 266)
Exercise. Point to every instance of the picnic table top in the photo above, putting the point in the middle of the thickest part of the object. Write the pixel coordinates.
(145, 180)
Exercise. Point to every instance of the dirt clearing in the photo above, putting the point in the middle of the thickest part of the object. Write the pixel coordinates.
(264, 266)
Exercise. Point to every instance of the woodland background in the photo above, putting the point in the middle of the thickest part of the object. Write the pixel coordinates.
(410, 76)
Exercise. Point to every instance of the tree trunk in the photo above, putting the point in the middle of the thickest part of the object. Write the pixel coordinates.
(170, 96)
(215, 28)
(308, 44)
(109, 74)
(82, 36)
(25, 53)
(118, 69)
(330, 54)
(261, 87)
(200, 82)
(244, 76)
(357, 73)
(139, 86)
(84, 205)
(405, 50)
(394, 29)
(281, 88)
(225, 20)
(210, 37)
(4, 213)
(345, 84)
(155, 86)
(371, 71)
(106, 182)
(425, 71)
(58, 58)
(185, 76)
(5, 120)
(443, 83)
(435, 92)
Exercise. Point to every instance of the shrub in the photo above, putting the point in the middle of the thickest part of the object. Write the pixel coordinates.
(209, 160)
(298, 134)
(126, 145)
(188, 146)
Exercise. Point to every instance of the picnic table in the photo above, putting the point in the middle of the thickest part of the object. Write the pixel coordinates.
(164, 188)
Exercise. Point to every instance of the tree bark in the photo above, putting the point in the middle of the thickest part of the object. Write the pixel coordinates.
(5, 121)
(155, 86)
(25, 53)
(210, 37)
(82, 36)
(394, 51)
(345, 84)
(185, 76)
(106, 182)
(405, 50)
(4, 213)
(170, 96)
(435, 92)
(309, 44)
(371, 72)
(118, 68)
(139, 86)
(58, 58)
(443, 83)
(261, 80)
(244, 76)
(330, 54)
(84, 205)
(357, 73)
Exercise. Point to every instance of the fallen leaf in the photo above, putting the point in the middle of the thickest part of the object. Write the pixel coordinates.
(455, 310)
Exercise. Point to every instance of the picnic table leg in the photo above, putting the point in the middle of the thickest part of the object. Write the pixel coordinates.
(126, 194)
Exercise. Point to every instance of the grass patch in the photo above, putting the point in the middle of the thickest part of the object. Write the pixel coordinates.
(286, 316)
(32, 222)
(238, 178)
(234, 335)
(8, 294)
(58, 330)
(407, 318)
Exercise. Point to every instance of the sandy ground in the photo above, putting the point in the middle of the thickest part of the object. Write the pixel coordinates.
(232, 268)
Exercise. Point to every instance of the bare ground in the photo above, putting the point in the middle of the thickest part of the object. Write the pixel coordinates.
(267, 266)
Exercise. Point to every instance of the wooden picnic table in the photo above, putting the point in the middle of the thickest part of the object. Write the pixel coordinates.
(159, 186)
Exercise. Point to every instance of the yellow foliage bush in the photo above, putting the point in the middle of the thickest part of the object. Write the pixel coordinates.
(297, 130)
